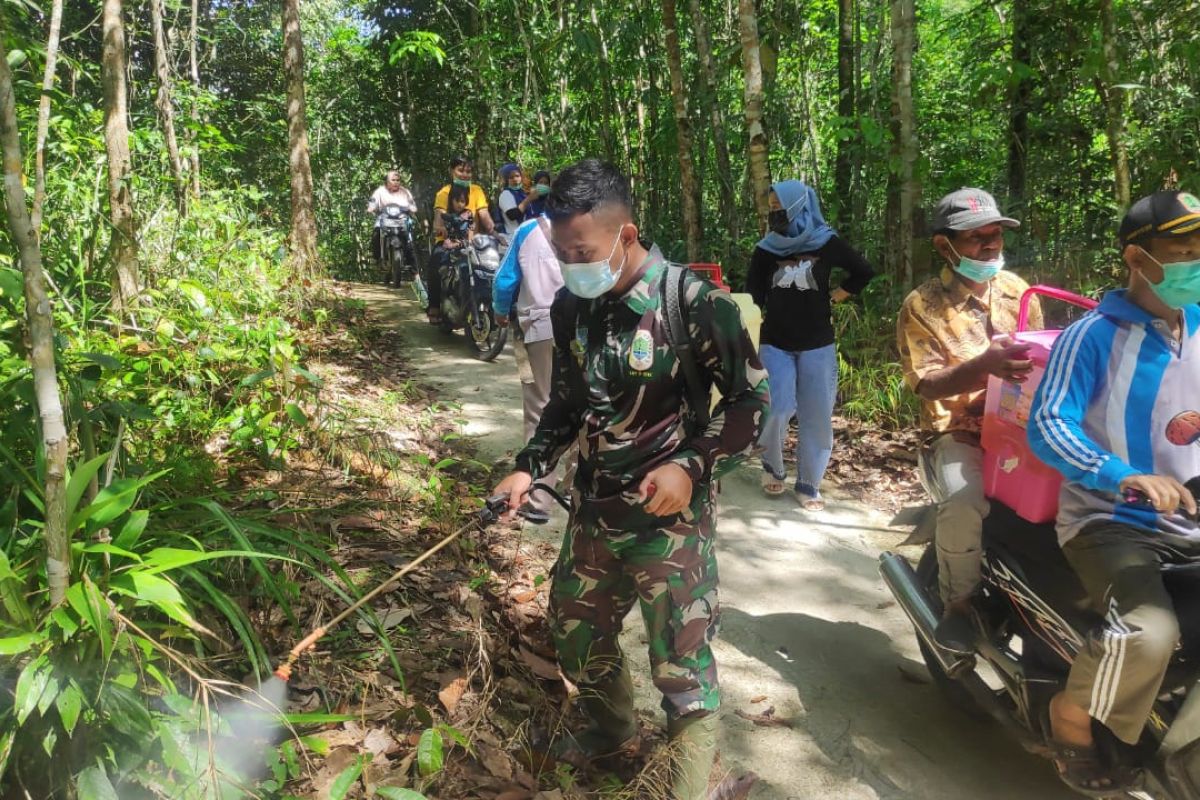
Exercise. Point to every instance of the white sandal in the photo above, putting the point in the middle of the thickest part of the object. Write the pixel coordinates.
(772, 486)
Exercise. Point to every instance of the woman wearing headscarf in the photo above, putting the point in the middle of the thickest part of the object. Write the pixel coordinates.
(789, 279)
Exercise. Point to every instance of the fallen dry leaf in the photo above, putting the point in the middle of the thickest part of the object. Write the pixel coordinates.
(525, 597)
(495, 761)
(766, 719)
(452, 692)
(543, 668)
(356, 522)
(335, 763)
(734, 788)
(515, 794)
(339, 737)
(380, 742)
(388, 620)
(758, 698)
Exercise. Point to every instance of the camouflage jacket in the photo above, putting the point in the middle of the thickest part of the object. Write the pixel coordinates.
(617, 388)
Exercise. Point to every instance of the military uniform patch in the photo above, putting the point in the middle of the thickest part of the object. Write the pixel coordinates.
(641, 351)
(579, 344)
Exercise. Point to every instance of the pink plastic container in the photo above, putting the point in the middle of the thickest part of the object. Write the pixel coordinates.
(1012, 474)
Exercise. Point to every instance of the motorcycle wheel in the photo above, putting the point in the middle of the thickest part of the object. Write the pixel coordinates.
(396, 258)
(953, 690)
(486, 337)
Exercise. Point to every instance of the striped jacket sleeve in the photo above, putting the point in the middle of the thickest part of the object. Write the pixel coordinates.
(1056, 421)
(508, 278)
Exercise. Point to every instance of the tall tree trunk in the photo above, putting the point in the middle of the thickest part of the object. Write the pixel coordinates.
(43, 126)
(303, 238)
(712, 103)
(759, 148)
(194, 73)
(1114, 104)
(641, 87)
(683, 135)
(843, 170)
(532, 84)
(41, 337)
(1018, 108)
(166, 104)
(123, 246)
(615, 116)
(903, 192)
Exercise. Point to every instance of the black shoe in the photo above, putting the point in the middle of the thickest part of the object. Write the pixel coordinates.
(958, 631)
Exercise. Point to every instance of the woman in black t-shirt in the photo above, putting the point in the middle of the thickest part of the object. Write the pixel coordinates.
(789, 279)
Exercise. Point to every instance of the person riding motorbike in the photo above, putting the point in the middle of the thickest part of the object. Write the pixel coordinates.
(392, 192)
(461, 171)
(1118, 414)
(516, 204)
(947, 336)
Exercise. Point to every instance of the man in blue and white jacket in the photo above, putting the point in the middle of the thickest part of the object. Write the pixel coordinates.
(1118, 413)
(530, 277)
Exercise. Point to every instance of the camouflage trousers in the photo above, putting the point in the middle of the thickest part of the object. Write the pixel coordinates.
(672, 573)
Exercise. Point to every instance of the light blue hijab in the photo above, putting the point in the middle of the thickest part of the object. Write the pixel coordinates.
(807, 228)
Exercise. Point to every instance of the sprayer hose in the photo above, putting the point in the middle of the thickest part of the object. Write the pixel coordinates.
(312, 638)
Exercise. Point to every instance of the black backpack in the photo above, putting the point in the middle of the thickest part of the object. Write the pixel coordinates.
(673, 292)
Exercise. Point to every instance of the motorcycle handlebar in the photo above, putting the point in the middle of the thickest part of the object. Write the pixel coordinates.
(1136, 497)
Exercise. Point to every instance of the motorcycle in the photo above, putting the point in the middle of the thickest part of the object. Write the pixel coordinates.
(399, 251)
(467, 277)
(1035, 617)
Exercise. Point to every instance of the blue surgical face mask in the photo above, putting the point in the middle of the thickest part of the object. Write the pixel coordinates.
(978, 271)
(1180, 285)
(592, 279)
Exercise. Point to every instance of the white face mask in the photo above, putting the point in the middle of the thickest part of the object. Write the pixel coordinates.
(595, 278)
(978, 271)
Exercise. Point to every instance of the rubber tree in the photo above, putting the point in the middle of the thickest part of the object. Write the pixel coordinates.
(843, 170)
(756, 132)
(40, 321)
(194, 74)
(1114, 104)
(43, 124)
(689, 186)
(1020, 93)
(166, 104)
(712, 106)
(123, 247)
(302, 241)
(903, 189)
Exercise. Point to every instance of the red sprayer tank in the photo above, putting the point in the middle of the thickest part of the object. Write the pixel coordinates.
(1012, 474)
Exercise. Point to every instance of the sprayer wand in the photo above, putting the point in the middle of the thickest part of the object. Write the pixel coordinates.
(492, 509)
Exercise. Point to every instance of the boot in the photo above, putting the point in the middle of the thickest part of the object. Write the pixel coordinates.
(609, 708)
(694, 742)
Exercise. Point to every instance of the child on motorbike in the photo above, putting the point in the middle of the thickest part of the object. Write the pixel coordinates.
(1118, 413)
(459, 221)
(459, 224)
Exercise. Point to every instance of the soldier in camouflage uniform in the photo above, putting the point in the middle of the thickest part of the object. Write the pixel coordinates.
(643, 524)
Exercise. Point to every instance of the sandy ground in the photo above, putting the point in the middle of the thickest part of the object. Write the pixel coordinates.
(806, 621)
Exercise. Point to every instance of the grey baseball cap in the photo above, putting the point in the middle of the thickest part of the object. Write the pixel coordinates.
(967, 209)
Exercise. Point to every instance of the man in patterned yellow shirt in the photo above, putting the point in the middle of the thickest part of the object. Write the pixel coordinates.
(953, 334)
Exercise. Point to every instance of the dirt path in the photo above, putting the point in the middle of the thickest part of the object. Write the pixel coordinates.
(806, 622)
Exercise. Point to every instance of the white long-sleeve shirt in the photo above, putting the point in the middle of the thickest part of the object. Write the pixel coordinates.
(382, 198)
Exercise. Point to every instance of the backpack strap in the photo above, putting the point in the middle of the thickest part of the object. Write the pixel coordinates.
(675, 297)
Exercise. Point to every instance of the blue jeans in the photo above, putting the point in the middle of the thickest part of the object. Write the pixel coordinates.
(804, 385)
